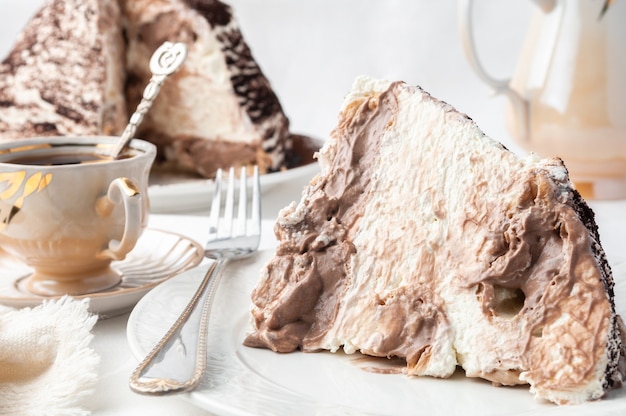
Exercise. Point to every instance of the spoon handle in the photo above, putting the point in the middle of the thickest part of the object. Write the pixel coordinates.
(165, 61)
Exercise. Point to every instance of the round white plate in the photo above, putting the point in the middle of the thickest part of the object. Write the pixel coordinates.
(177, 192)
(158, 256)
(247, 381)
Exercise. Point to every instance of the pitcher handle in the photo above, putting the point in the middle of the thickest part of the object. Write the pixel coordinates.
(499, 86)
(122, 190)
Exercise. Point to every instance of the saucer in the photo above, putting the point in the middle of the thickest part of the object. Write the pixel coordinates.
(158, 256)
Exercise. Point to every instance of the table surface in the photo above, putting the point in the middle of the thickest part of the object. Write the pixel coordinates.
(311, 52)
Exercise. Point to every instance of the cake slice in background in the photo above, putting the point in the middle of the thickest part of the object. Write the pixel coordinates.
(218, 110)
(65, 74)
(424, 239)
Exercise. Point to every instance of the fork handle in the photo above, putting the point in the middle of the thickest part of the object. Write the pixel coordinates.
(178, 361)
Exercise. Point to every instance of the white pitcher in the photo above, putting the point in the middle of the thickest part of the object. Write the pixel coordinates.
(568, 92)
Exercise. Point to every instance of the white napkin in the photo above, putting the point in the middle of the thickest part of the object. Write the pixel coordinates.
(46, 364)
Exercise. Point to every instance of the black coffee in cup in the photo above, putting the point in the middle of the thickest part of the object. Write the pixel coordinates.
(59, 159)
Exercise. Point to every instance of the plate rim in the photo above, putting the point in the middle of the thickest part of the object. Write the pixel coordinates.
(196, 188)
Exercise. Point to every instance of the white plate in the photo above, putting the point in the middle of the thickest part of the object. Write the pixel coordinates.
(176, 192)
(158, 256)
(246, 381)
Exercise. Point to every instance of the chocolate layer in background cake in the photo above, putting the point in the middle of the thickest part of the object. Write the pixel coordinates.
(80, 68)
(424, 239)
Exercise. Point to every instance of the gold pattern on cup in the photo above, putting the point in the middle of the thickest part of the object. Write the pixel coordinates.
(129, 187)
(17, 182)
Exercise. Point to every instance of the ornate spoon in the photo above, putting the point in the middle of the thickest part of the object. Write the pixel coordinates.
(165, 61)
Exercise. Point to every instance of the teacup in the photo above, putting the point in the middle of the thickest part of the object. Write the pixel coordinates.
(68, 210)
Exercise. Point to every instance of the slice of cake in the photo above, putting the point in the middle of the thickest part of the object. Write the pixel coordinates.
(219, 110)
(424, 239)
(65, 74)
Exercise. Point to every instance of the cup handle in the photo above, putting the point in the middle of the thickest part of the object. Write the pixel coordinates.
(122, 190)
(499, 86)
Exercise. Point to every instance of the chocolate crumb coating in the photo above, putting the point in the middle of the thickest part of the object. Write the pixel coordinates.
(65, 73)
(616, 343)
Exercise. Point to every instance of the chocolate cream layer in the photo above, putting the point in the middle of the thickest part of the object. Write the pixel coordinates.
(424, 239)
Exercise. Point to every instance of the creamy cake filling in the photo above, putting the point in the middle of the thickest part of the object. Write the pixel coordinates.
(423, 239)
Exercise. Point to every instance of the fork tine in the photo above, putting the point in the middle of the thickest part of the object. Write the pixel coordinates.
(242, 214)
(216, 204)
(223, 221)
(256, 202)
(230, 201)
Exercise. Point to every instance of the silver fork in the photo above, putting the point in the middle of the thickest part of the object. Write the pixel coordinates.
(178, 361)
